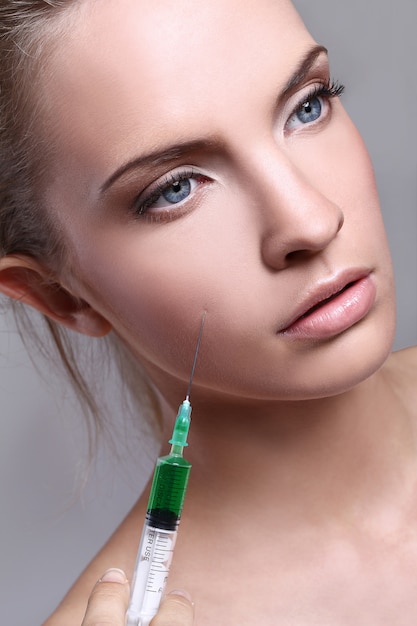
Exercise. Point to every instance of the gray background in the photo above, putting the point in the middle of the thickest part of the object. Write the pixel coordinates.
(50, 526)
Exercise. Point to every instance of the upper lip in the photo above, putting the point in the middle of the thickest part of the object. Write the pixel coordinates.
(324, 290)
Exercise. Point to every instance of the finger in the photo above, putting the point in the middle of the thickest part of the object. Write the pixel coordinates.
(176, 610)
(108, 601)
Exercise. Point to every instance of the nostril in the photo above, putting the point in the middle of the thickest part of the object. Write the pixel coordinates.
(301, 235)
(299, 255)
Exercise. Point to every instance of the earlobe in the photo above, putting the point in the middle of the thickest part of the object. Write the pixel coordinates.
(26, 280)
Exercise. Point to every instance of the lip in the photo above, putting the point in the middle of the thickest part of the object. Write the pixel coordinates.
(333, 307)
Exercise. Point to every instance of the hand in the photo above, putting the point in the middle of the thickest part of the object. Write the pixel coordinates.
(110, 597)
(176, 610)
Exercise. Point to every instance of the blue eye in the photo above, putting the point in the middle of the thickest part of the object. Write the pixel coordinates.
(309, 111)
(315, 105)
(178, 191)
(177, 188)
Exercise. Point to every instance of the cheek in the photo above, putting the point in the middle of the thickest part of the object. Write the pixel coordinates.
(336, 160)
(356, 175)
(361, 204)
(342, 170)
(154, 290)
(150, 304)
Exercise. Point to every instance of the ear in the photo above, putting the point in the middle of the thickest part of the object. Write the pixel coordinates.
(26, 280)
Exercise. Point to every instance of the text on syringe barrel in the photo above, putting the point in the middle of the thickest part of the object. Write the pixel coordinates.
(158, 538)
(152, 569)
(168, 492)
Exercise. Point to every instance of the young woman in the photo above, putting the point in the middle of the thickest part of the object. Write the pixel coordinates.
(190, 157)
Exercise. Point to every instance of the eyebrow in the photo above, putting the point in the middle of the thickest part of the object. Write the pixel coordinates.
(176, 150)
(158, 157)
(304, 68)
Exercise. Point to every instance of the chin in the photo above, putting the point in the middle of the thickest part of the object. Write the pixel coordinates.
(337, 369)
(333, 367)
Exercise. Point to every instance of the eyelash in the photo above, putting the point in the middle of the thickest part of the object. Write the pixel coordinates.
(141, 207)
(329, 90)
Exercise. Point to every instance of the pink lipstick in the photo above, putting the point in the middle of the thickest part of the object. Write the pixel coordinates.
(332, 309)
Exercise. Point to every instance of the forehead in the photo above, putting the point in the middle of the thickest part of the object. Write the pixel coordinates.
(170, 64)
(181, 26)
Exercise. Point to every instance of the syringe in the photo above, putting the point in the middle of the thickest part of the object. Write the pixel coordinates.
(163, 515)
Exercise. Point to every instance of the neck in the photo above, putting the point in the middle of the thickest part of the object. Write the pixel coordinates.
(329, 458)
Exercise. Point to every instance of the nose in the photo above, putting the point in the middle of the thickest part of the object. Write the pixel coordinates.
(298, 218)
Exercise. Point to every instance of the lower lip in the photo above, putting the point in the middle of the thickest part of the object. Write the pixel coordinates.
(337, 315)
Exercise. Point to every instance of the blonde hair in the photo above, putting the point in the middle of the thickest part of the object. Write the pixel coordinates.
(29, 29)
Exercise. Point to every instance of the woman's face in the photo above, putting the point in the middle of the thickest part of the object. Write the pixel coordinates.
(202, 163)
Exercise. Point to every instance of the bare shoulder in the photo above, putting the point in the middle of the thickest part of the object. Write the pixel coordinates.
(62, 617)
(120, 552)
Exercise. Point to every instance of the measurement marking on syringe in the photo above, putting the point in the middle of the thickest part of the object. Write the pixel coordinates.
(162, 518)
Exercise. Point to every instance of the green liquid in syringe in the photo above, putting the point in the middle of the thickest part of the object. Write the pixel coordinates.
(168, 491)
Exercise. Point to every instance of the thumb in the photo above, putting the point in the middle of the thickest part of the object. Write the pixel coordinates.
(108, 601)
(176, 609)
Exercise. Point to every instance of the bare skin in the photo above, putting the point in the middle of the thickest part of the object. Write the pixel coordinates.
(268, 533)
(302, 500)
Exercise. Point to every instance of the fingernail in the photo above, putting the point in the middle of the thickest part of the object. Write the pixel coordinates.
(180, 592)
(114, 575)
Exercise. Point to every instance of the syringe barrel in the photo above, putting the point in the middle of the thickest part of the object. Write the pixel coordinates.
(158, 538)
(168, 490)
(151, 573)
